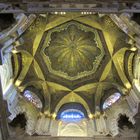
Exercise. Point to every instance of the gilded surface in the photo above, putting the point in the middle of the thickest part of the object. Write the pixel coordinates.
(74, 56)
(73, 50)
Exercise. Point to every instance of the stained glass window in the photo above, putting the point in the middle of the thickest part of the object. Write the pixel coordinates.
(33, 98)
(72, 115)
(111, 100)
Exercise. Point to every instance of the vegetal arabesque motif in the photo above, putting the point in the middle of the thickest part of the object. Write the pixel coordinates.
(73, 50)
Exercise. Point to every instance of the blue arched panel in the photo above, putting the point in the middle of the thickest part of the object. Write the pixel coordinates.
(72, 112)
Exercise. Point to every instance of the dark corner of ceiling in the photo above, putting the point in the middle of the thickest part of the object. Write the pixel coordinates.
(6, 20)
(136, 17)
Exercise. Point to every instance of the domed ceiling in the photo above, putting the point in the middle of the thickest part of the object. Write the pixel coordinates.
(72, 50)
(76, 55)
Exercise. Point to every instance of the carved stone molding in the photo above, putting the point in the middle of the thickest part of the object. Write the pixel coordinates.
(23, 107)
(43, 125)
(113, 114)
(129, 26)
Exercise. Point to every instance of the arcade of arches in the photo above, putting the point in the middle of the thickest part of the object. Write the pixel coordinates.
(71, 75)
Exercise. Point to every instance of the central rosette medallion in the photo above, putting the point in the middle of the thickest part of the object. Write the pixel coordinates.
(73, 50)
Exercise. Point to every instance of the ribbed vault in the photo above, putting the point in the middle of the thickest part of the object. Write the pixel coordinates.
(80, 54)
